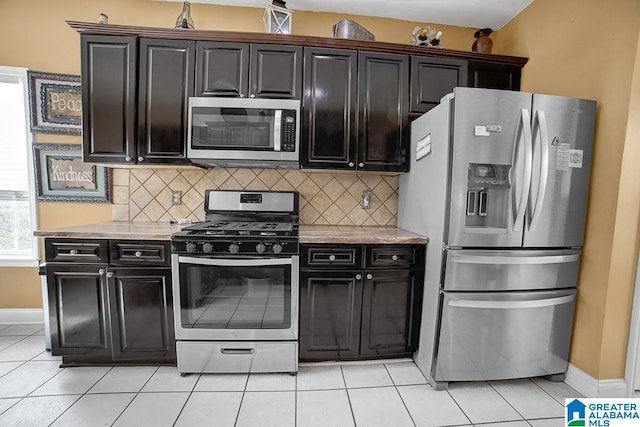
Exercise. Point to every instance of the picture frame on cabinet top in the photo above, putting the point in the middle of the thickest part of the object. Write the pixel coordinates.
(55, 103)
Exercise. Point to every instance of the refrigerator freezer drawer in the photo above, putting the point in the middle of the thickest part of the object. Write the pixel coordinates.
(492, 336)
(502, 270)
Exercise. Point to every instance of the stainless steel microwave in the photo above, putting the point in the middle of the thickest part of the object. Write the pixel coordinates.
(244, 132)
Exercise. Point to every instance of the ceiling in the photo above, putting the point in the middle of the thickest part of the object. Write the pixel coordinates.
(461, 13)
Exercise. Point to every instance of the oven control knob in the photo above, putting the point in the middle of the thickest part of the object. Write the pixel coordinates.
(234, 248)
(207, 247)
(191, 247)
(260, 248)
(277, 248)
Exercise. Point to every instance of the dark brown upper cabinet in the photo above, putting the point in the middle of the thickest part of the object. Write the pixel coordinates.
(355, 110)
(494, 76)
(249, 70)
(432, 78)
(122, 73)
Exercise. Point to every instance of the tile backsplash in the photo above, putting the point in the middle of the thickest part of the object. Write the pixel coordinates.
(142, 195)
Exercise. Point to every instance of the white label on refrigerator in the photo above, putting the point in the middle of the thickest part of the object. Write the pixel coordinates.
(423, 147)
(481, 130)
(575, 158)
(563, 155)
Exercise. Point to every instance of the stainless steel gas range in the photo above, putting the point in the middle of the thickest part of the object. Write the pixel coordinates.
(236, 285)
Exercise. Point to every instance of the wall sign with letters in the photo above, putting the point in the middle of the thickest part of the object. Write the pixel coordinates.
(55, 102)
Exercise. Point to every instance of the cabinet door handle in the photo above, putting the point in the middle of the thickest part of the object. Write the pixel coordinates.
(101, 271)
(128, 159)
(109, 274)
(139, 254)
(242, 95)
(358, 276)
(351, 164)
(332, 257)
(252, 95)
(360, 165)
(73, 252)
(369, 277)
(394, 257)
(141, 159)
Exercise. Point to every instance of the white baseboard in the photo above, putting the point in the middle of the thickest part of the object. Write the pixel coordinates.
(21, 315)
(588, 386)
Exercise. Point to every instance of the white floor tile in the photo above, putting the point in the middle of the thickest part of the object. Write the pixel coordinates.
(153, 409)
(366, 375)
(46, 355)
(406, 373)
(221, 382)
(204, 407)
(508, 424)
(95, 410)
(481, 403)
(6, 367)
(7, 403)
(25, 349)
(549, 422)
(27, 377)
(271, 382)
(379, 407)
(125, 379)
(167, 378)
(322, 408)
(528, 399)
(428, 407)
(320, 378)
(72, 381)
(267, 409)
(26, 329)
(36, 411)
(558, 390)
(9, 341)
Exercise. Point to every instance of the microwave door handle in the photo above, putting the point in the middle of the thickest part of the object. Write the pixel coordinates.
(277, 130)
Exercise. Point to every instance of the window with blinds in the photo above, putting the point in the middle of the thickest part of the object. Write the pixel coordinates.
(17, 206)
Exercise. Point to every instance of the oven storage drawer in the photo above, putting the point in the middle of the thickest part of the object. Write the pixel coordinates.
(127, 252)
(76, 250)
(331, 255)
(394, 256)
(236, 356)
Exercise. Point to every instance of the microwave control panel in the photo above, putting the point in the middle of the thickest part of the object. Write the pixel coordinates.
(288, 130)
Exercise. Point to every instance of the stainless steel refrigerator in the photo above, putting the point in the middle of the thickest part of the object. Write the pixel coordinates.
(498, 182)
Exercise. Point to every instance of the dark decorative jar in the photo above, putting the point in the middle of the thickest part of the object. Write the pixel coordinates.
(483, 43)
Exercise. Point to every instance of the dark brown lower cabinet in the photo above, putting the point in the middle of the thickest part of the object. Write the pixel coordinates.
(362, 302)
(101, 312)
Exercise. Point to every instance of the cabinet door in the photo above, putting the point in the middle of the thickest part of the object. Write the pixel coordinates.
(108, 98)
(141, 312)
(275, 71)
(167, 73)
(383, 100)
(330, 305)
(78, 310)
(391, 306)
(433, 78)
(222, 69)
(494, 76)
(329, 122)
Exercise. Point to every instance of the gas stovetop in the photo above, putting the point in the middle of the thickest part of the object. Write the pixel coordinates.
(242, 229)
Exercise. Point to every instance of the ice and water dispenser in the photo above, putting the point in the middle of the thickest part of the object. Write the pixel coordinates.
(487, 195)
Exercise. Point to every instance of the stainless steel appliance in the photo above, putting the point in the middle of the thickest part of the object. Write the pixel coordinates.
(236, 285)
(498, 181)
(244, 132)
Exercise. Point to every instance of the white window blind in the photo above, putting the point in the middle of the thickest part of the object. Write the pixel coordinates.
(17, 207)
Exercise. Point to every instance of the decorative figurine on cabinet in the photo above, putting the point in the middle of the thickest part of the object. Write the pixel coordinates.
(426, 36)
(483, 43)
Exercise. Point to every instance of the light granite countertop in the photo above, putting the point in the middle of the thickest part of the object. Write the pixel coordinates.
(344, 234)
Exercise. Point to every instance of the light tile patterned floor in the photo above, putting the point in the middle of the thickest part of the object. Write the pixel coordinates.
(35, 391)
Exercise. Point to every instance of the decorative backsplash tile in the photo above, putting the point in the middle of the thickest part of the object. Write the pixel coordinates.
(141, 195)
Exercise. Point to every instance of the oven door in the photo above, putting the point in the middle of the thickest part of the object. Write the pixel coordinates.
(235, 299)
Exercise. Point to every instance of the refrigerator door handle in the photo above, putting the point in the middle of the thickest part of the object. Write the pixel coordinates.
(549, 302)
(527, 260)
(541, 122)
(524, 180)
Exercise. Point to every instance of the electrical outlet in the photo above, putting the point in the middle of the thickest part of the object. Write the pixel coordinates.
(176, 197)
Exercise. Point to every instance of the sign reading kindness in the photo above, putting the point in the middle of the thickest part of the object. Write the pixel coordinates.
(71, 173)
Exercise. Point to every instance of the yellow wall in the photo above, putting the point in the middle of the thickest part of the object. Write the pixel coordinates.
(587, 49)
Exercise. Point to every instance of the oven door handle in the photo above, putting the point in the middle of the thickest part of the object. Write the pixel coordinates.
(240, 262)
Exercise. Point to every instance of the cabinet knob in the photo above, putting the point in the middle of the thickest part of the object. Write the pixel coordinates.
(369, 276)
(73, 252)
(141, 159)
(358, 276)
(253, 95)
(351, 164)
(110, 274)
(332, 257)
(139, 254)
(394, 257)
(128, 159)
(360, 165)
(101, 271)
(242, 95)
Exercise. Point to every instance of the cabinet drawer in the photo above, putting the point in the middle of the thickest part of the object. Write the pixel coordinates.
(78, 250)
(124, 252)
(331, 255)
(395, 256)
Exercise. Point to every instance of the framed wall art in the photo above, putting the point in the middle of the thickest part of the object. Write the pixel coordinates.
(62, 176)
(55, 102)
